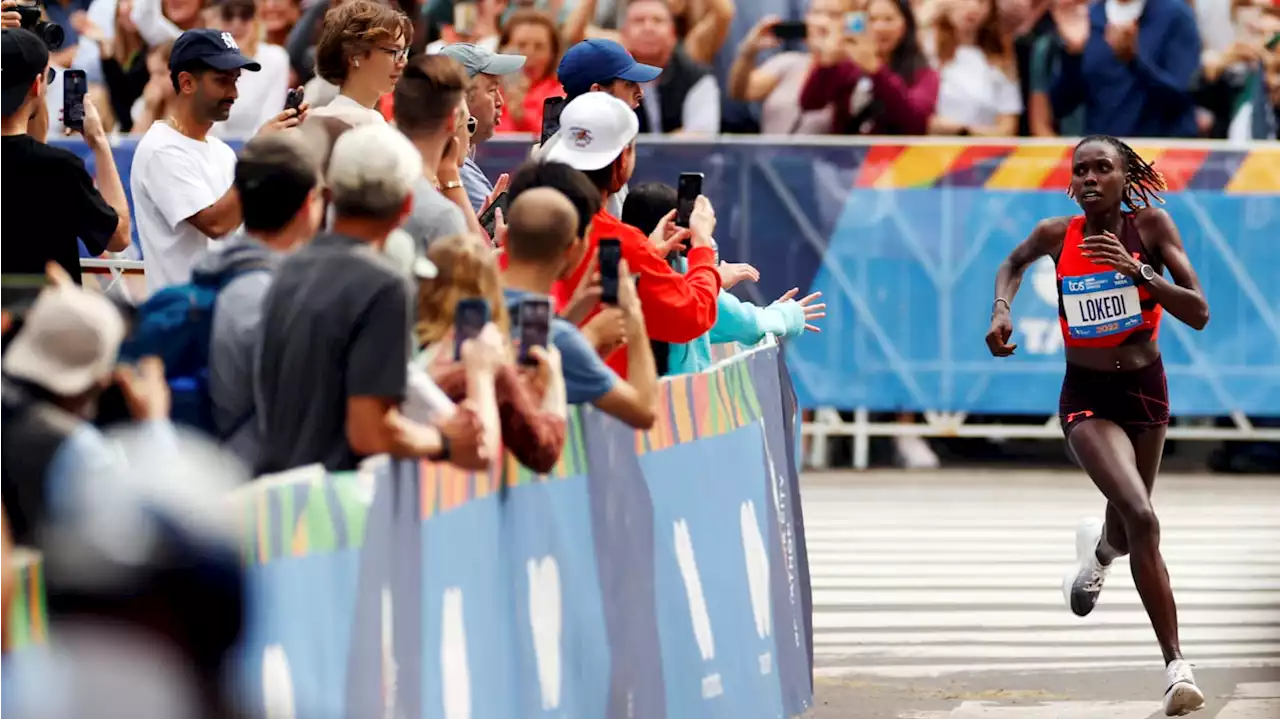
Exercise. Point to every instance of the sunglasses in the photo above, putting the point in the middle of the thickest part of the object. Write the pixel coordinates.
(49, 75)
(471, 126)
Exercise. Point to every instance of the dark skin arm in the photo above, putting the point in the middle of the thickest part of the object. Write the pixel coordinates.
(1183, 297)
(1045, 239)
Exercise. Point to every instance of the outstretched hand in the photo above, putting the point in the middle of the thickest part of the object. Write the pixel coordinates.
(813, 310)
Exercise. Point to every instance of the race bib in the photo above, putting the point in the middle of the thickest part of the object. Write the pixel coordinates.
(1100, 305)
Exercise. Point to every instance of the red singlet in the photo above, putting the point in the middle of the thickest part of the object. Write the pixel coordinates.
(1097, 306)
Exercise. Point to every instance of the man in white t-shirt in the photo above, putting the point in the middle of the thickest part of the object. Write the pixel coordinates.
(181, 177)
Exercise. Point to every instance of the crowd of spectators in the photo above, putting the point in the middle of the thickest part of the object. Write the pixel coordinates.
(1201, 68)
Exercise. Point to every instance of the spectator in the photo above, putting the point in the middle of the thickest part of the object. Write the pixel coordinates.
(122, 56)
(479, 24)
(278, 19)
(597, 136)
(1046, 59)
(182, 177)
(485, 101)
(278, 184)
(49, 198)
(158, 95)
(777, 83)
(879, 82)
(736, 321)
(978, 89)
(161, 21)
(686, 97)
(430, 107)
(363, 50)
(532, 34)
(261, 94)
(318, 404)
(544, 246)
(531, 406)
(1127, 88)
(701, 25)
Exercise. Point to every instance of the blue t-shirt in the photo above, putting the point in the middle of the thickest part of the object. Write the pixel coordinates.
(586, 377)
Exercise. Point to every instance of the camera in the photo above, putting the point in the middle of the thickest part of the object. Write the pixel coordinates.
(49, 32)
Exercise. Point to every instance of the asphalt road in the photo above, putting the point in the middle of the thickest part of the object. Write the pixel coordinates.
(938, 596)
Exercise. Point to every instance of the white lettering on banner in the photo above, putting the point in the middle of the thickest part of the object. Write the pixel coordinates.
(455, 674)
(786, 531)
(390, 669)
(546, 616)
(1100, 304)
(1040, 336)
(711, 684)
(277, 684)
(757, 567)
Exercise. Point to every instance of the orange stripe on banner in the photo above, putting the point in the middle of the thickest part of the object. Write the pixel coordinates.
(264, 544)
(35, 603)
(1258, 173)
(683, 411)
(978, 155)
(428, 485)
(1178, 167)
(1031, 167)
(878, 161)
(920, 166)
(300, 535)
(702, 404)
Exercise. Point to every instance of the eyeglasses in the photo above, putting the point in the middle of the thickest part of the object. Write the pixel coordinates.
(399, 54)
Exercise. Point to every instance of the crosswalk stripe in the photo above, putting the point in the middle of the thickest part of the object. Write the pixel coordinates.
(1241, 706)
(919, 671)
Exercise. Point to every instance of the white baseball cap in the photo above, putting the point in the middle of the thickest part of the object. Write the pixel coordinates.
(68, 342)
(594, 130)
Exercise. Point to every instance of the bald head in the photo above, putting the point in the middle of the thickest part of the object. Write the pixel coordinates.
(541, 224)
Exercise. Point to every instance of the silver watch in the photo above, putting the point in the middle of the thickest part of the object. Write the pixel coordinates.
(1146, 272)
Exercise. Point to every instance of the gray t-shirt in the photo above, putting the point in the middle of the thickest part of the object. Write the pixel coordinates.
(433, 216)
(476, 184)
(335, 325)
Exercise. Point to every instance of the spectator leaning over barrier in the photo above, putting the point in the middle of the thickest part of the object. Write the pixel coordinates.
(49, 199)
(55, 368)
(182, 177)
(278, 181)
(531, 402)
(485, 102)
(429, 109)
(544, 244)
(363, 49)
(533, 34)
(978, 92)
(736, 321)
(597, 136)
(1131, 87)
(606, 66)
(686, 98)
(336, 328)
(878, 81)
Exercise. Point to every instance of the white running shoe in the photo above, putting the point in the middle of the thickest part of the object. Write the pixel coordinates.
(1182, 696)
(1082, 586)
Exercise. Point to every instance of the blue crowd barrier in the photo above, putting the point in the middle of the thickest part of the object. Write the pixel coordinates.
(658, 574)
(904, 237)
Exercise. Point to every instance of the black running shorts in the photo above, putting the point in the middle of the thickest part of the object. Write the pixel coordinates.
(1137, 400)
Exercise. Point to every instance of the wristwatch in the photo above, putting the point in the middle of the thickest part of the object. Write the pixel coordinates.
(1146, 273)
(450, 185)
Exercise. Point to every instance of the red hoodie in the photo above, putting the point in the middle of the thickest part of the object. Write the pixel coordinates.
(677, 308)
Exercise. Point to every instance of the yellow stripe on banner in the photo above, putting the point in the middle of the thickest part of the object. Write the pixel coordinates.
(1259, 173)
(1026, 168)
(681, 411)
(919, 166)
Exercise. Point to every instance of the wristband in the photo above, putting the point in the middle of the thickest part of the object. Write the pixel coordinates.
(1000, 301)
(446, 450)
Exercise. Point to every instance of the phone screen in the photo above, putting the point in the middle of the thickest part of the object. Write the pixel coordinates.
(470, 317)
(535, 326)
(489, 218)
(686, 195)
(74, 87)
(610, 256)
(855, 23)
(551, 108)
(790, 30)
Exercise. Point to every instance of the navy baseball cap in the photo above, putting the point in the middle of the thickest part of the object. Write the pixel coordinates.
(211, 48)
(600, 61)
(25, 57)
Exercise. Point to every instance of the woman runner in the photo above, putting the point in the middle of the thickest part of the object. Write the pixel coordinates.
(1114, 405)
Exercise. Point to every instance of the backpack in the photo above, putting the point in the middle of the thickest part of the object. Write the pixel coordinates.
(176, 325)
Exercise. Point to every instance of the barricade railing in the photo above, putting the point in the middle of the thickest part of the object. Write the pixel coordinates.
(650, 573)
(903, 236)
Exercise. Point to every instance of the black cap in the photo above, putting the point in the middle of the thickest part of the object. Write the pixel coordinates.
(211, 48)
(24, 58)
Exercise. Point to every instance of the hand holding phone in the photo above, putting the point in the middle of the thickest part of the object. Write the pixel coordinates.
(293, 99)
(534, 317)
(489, 218)
(687, 192)
(855, 23)
(469, 319)
(610, 255)
(74, 87)
(790, 30)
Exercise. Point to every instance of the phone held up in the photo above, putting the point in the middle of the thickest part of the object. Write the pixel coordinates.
(293, 99)
(855, 23)
(610, 256)
(687, 192)
(551, 108)
(790, 30)
(489, 218)
(534, 317)
(470, 317)
(74, 86)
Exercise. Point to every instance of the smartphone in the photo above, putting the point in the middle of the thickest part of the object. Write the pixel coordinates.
(489, 218)
(610, 256)
(790, 30)
(687, 192)
(535, 326)
(551, 108)
(74, 87)
(470, 317)
(855, 23)
(293, 99)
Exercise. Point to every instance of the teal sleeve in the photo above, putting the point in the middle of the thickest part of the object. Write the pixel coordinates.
(745, 323)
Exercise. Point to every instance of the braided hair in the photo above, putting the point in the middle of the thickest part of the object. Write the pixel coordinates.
(1143, 183)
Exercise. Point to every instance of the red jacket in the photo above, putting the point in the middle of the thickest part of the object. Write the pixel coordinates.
(677, 308)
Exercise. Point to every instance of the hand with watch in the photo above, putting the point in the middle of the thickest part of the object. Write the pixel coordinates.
(1107, 250)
